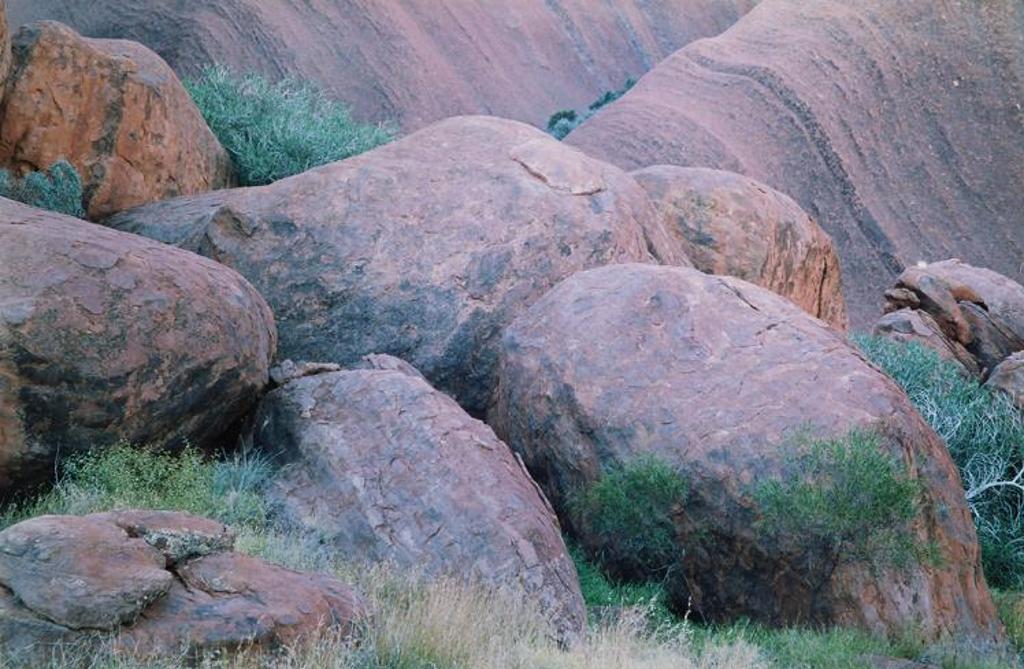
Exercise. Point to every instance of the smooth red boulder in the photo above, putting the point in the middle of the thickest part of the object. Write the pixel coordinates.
(894, 124)
(106, 336)
(731, 225)
(417, 61)
(115, 111)
(716, 377)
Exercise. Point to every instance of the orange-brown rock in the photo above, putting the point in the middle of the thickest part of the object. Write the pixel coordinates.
(106, 336)
(416, 61)
(424, 248)
(439, 493)
(980, 310)
(906, 325)
(715, 376)
(64, 579)
(894, 124)
(115, 111)
(731, 225)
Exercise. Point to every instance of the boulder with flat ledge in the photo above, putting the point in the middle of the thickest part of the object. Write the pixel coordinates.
(424, 248)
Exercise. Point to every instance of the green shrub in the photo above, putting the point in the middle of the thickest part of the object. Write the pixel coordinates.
(57, 189)
(122, 477)
(627, 516)
(275, 130)
(984, 432)
(847, 496)
(561, 123)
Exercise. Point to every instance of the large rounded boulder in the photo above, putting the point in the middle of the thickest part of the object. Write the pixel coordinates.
(106, 336)
(717, 379)
(156, 584)
(894, 124)
(424, 248)
(115, 111)
(382, 468)
(731, 225)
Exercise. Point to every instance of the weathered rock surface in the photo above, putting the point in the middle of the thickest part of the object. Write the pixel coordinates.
(5, 48)
(415, 62)
(113, 109)
(384, 468)
(978, 309)
(722, 404)
(64, 579)
(896, 125)
(908, 325)
(731, 225)
(424, 248)
(106, 336)
(1008, 376)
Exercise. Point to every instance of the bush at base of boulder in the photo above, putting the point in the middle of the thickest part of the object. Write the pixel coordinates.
(627, 360)
(275, 130)
(106, 336)
(57, 189)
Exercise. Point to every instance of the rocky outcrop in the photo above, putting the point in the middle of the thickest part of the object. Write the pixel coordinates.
(915, 326)
(421, 484)
(162, 583)
(722, 405)
(734, 226)
(424, 248)
(414, 62)
(976, 310)
(115, 111)
(106, 336)
(893, 124)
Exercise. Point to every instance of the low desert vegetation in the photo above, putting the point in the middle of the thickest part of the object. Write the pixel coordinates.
(443, 623)
(563, 122)
(984, 432)
(627, 514)
(273, 130)
(57, 189)
(848, 496)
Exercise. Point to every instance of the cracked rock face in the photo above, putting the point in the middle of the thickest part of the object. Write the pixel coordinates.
(73, 579)
(721, 404)
(976, 310)
(894, 124)
(423, 249)
(115, 111)
(106, 336)
(383, 468)
(5, 47)
(731, 225)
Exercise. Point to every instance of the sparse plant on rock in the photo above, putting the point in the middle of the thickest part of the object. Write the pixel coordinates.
(628, 513)
(984, 432)
(562, 122)
(274, 130)
(57, 189)
(848, 496)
